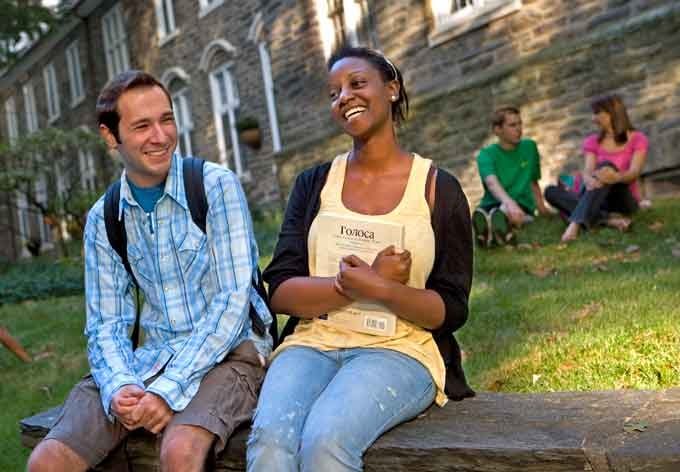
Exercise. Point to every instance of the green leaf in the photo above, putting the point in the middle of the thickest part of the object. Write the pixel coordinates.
(636, 427)
(18, 19)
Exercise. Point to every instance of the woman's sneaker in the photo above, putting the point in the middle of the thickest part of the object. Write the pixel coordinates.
(501, 229)
(481, 226)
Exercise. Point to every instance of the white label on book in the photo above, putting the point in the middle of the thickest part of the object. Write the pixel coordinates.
(372, 322)
(340, 236)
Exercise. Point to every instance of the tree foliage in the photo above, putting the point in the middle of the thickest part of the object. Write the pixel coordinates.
(22, 21)
(50, 159)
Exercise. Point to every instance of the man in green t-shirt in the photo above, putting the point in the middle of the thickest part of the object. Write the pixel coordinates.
(510, 170)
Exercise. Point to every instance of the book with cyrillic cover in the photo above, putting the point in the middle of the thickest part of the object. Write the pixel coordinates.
(341, 235)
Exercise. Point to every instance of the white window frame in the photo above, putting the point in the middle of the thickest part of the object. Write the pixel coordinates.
(62, 180)
(40, 189)
(11, 120)
(165, 18)
(226, 107)
(21, 205)
(75, 74)
(185, 123)
(62, 177)
(206, 6)
(115, 41)
(326, 27)
(448, 25)
(265, 62)
(88, 172)
(40, 186)
(353, 11)
(30, 108)
(51, 93)
(22, 219)
(352, 16)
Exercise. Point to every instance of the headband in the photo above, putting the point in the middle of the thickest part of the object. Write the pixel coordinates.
(394, 69)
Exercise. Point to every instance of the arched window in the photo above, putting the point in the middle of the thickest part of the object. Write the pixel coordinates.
(216, 60)
(256, 36)
(177, 83)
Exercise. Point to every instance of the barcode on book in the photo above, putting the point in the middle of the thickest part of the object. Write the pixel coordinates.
(378, 324)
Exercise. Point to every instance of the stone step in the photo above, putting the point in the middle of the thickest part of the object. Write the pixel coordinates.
(493, 432)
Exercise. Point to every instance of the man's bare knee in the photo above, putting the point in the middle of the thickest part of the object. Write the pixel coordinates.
(53, 456)
(185, 448)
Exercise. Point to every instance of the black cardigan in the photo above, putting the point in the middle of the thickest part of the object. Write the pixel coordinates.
(451, 274)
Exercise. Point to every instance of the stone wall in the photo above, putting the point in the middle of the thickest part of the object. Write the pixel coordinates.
(630, 49)
(229, 22)
(299, 70)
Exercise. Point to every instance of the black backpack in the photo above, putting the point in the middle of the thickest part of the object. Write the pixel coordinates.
(192, 170)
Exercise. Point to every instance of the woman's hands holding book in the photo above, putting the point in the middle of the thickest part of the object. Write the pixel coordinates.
(393, 264)
(360, 281)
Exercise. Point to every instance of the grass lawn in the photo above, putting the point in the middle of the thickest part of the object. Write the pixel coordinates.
(51, 331)
(601, 313)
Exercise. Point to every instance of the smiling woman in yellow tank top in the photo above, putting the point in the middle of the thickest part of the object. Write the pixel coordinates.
(332, 389)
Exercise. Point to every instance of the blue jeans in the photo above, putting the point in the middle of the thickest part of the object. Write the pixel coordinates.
(591, 207)
(320, 410)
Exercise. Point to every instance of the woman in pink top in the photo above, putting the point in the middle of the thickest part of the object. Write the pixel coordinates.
(613, 161)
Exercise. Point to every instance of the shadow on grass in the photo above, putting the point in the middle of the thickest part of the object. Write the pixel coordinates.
(558, 317)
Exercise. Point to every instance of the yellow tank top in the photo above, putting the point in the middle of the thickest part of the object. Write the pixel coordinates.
(414, 213)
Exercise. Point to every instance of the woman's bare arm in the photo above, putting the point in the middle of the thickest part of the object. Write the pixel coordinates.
(307, 297)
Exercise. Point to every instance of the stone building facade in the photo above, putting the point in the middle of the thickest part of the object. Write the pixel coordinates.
(550, 58)
(225, 60)
(209, 53)
(48, 87)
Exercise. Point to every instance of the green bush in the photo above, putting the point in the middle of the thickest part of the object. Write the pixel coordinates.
(266, 226)
(41, 278)
(5, 265)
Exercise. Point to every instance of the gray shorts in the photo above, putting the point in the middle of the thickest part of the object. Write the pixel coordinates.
(225, 400)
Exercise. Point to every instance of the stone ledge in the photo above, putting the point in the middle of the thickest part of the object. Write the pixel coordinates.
(493, 432)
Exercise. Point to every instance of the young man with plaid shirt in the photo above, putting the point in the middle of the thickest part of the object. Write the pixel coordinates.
(196, 376)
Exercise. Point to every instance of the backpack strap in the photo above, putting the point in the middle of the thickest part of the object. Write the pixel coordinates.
(115, 231)
(192, 170)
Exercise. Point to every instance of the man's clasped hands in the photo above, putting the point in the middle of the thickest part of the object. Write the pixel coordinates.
(136, 408)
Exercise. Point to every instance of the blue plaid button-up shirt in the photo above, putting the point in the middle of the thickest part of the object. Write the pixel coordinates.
(197, 288)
